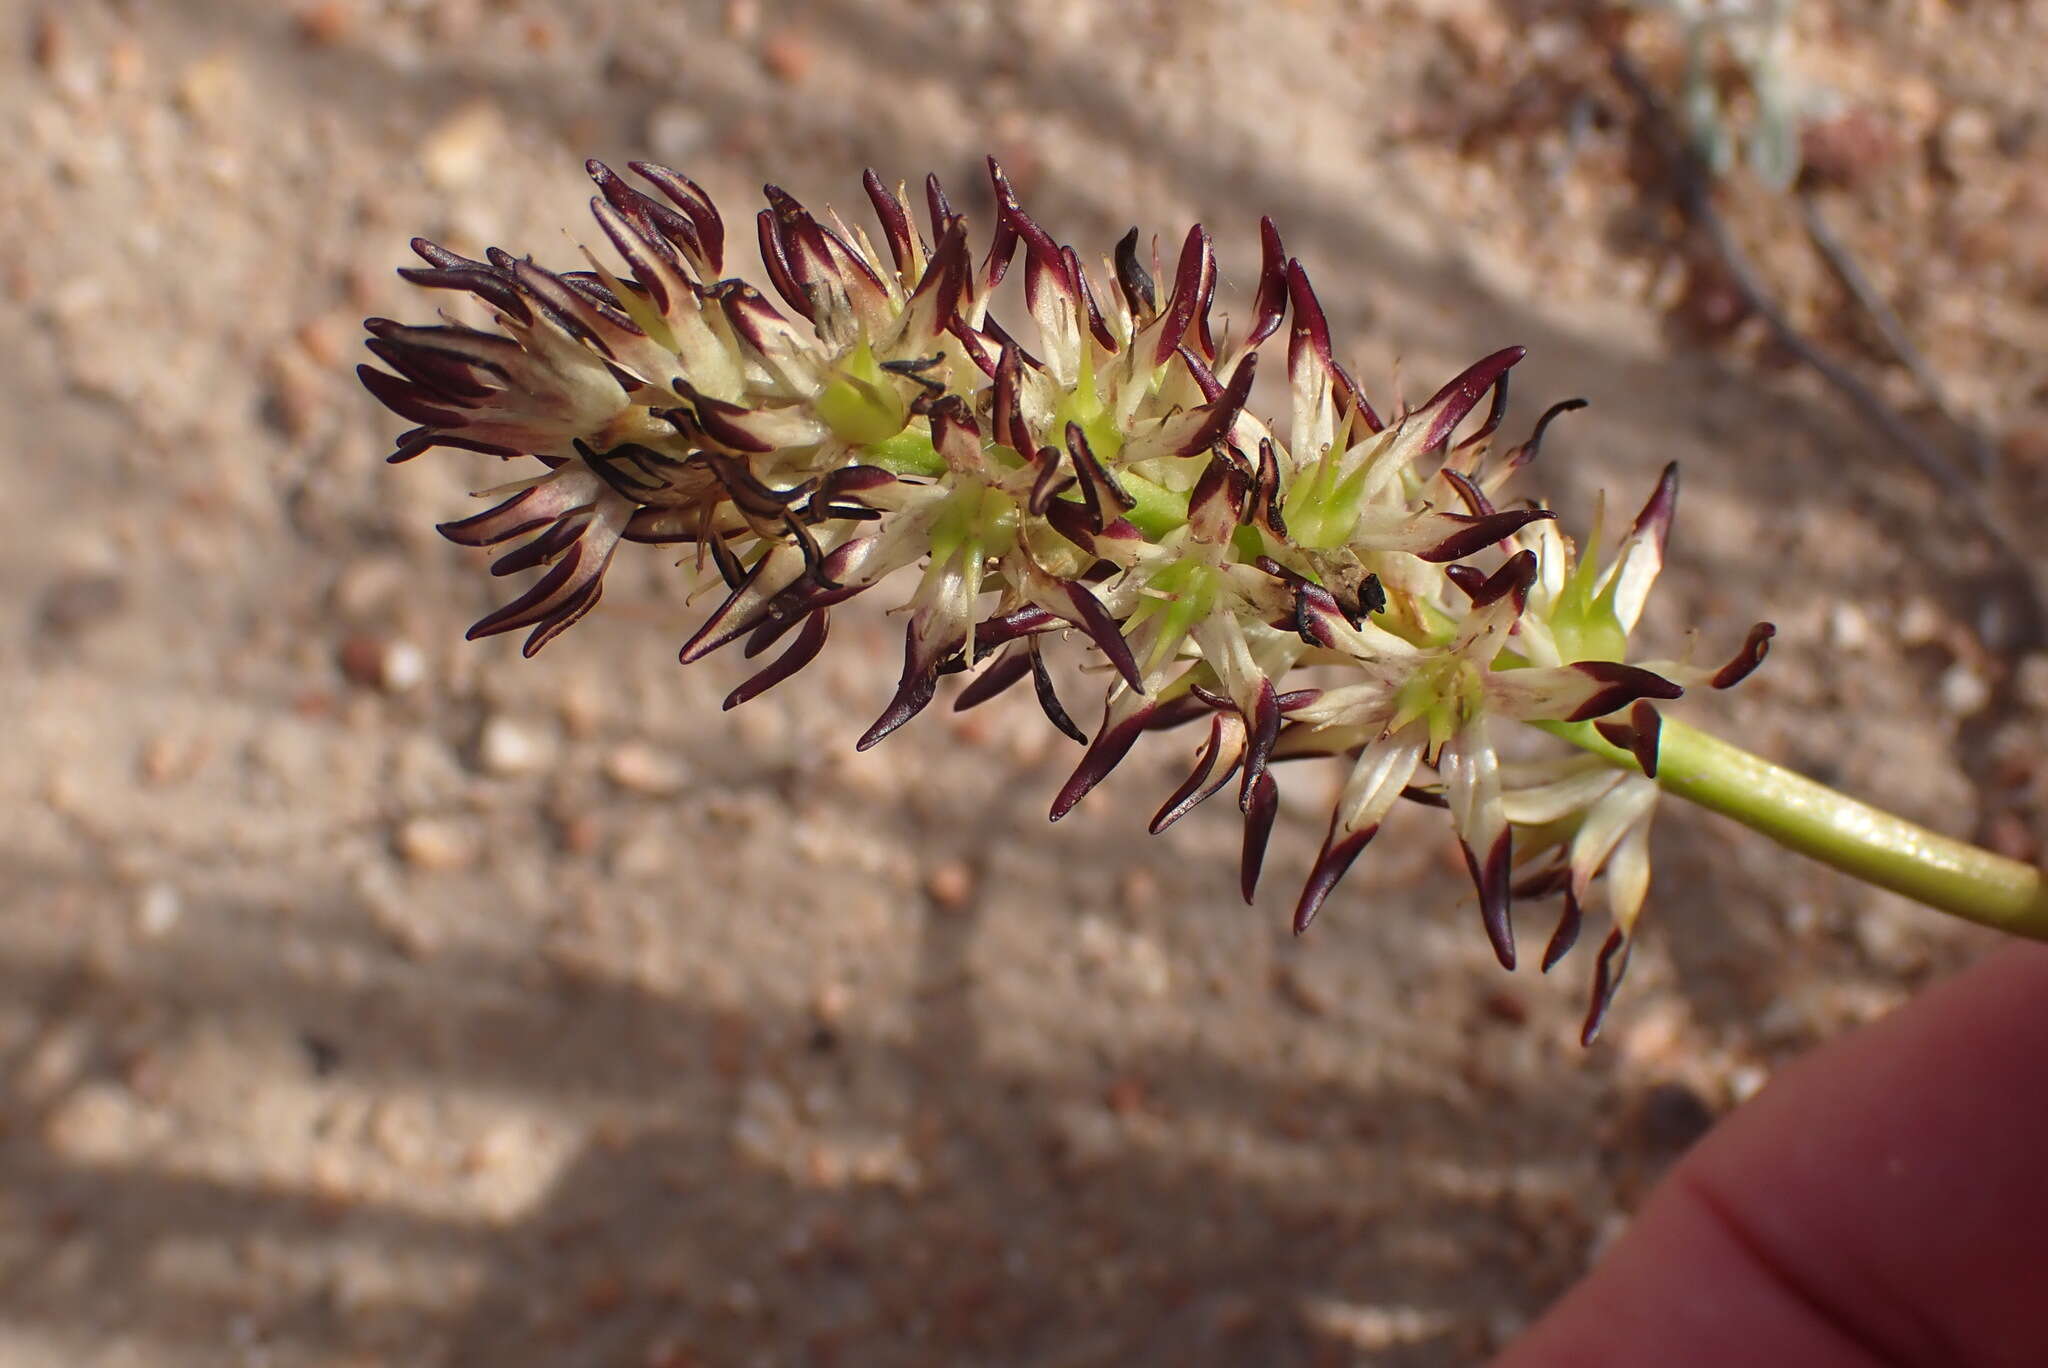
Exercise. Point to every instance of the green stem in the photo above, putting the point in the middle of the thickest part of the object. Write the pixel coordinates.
(1875, 846)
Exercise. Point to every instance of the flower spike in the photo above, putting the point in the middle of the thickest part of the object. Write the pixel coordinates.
(1101, 474)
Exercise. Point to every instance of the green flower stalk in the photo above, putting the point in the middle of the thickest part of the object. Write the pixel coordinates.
(1109, 480)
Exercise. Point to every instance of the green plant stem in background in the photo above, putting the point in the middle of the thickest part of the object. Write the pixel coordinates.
(1875, 846)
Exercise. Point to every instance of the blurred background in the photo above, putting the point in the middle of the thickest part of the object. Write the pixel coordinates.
(368, 998)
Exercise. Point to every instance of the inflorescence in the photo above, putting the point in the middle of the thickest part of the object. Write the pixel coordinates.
(1111, 482)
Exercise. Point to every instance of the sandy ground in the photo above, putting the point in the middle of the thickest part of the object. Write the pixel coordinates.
(367, 997)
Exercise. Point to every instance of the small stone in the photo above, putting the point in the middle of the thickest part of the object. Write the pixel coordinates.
(1656, 1036)
(2030, 681)
(2026, 446)
(78, 602)
(583, 705)
(209, 87)
(322, 340)
(1889, 935)
(787, 55)
(370, 589)
(1505, 1007)
(830, 1004)
(603, 1294)
(677, 133)
(47, 47)
(323, 1056)
(1962, 690)
(1711, 305)
(1139, 889)
(54, 1062)
(296, 399)
(157, 910)
(169, 759)
(1844, 149)
(509, 748)
(1128, 958)
(641, 769)
(437, 845)
(580, 834)
(1848, 628)
(1126, 1095)
(1787, 1020)
(950, 885)
(1966, 133)
(1746, 1081)
(1671, 1117)
(326, 23)
(1920, 622)
(644, 856)
(455, 154)
(127, 64)
(1292, 988)
(392, 665)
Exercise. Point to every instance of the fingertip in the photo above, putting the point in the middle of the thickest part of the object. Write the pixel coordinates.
(1880, 1201)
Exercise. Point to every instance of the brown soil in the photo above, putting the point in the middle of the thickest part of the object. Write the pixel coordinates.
(367, 997)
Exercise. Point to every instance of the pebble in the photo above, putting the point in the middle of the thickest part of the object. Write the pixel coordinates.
(78, 602)
(326, 23)
(297, 397)
(1671, 1117)
(437, 845)
(1848, 628)
(950, 885)
(788, 56)
(325, 341)
(1129, 957)
(644, 855)
(830, 1004)
(1138, 890)
(127, 64)
(1656, 1036)
(1505, 1007)
(1920, 622)
(157, 910)
(677, 132)
(1845, 149)
(583, 705)
(1305, 997)
(1962, 690)
(508, 748)
(1786, 1021)
(2030, 681)
(1373, 1330)
(49, 44)
(53, 1063)
(580, 834)
(457, 152)
(639, 768)
(393, 665)
(742, 19)
(1966, 133)
(370, 589)
(1746, 1081)
(1889, 934)
(168, 758)
(208, 88)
